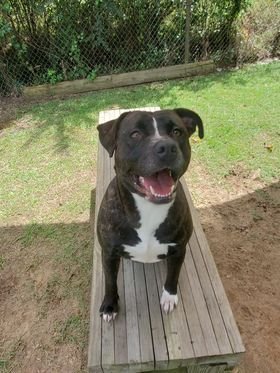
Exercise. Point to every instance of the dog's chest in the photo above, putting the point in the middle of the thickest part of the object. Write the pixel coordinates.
(151, 217)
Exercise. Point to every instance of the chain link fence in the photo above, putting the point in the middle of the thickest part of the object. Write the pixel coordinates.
(48, 41)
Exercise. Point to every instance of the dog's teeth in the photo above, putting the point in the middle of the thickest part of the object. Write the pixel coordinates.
(157, 195)
(141, 179)
(152, 191)
(172, 188)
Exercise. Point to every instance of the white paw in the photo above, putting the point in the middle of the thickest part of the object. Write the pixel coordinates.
(109, 316)
(168, 301)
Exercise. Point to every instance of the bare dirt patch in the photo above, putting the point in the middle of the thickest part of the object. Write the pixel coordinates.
(241, 222)
(8, 110)
(45, 281)
(44, 292)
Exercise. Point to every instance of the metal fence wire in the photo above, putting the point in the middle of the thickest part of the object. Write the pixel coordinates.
(48, 41)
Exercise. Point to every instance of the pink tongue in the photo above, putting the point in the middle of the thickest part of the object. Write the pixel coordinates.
(161, 182)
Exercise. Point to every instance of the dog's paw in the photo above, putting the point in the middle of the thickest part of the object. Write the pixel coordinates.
(108, 317)
(168, 301)
(109, 308)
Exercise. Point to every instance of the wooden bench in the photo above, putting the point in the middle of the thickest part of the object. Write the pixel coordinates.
(200, 335)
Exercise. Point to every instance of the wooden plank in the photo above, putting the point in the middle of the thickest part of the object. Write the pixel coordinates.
(201, 307)
(120, 80)
(132, 330)
(229, 321)
(177, 334)
(145, 336)
(95, 337)
(211, 301)
(197, 337)
(114, 114)
(94, 353)
(121, 355)
(108, 342)
(157, 327)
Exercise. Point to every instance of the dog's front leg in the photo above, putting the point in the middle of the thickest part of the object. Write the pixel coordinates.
(109, 306)
(169, 298)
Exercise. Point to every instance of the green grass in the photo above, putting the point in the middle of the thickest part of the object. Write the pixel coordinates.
(71, 330)
(240, 110)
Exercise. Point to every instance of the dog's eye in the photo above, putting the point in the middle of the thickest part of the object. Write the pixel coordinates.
(135, 135)
(177, 132)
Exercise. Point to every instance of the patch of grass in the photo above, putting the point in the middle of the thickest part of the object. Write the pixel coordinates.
(37, 175)
(3, 365)
(34, 231)
(240, 110)
(76, 258)
(6, 362)
(71, 330)
(66, 250)
(2, 262)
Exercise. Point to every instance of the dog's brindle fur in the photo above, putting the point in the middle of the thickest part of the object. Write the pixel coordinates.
(144, 143)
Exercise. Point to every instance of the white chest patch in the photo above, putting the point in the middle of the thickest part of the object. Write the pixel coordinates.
(151, 216)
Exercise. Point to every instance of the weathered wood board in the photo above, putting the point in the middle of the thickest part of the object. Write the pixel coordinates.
(119, 80)
(201, 334)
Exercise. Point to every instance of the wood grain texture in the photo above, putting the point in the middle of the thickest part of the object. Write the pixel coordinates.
(200, 334)
(144, 326)
(225, 309)
(161, 353)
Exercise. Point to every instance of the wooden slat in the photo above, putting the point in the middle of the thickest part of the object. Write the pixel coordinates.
(132, 330)
(227, 315)
(210, 299)
(145, 335)
(157, 328)
(119, 80)
(196, 332)
(121, 354)
(201, 333)
(201, 306)
(95, 337)
(177, 334)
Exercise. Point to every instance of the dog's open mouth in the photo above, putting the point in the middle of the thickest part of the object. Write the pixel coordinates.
(158, 187)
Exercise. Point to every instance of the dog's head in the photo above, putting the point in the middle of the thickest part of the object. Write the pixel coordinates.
(152, 149)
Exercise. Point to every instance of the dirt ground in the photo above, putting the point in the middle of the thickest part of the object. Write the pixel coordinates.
(241, 219)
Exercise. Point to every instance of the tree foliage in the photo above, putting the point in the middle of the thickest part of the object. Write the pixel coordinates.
(259, 31)
(53, 40)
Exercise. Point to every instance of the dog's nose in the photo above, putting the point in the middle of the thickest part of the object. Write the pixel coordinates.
(166, 149)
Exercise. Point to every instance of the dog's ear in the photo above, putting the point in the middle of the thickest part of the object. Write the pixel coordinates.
(191, 120)
(108, 133)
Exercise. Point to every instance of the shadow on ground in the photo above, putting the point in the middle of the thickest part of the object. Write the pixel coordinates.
(46, 272)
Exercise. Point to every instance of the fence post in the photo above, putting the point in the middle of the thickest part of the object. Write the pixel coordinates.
(188, 31)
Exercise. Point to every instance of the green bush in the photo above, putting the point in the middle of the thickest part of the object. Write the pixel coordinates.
(259, 31)
(48, 41)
